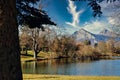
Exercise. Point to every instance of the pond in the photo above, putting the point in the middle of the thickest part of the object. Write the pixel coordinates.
(73, 67)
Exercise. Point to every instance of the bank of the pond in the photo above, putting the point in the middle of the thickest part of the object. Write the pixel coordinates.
(46, 56)
(27, 59)
(63, 77)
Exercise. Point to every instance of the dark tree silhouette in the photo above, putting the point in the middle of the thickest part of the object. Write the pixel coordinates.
(31, 16)
(95, 7)
(10, 66)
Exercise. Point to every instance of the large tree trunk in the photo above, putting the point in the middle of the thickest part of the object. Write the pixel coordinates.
(35, 45)
(10, 66)
(35, 49)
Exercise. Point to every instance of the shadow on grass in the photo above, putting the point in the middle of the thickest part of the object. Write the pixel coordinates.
(29, 55)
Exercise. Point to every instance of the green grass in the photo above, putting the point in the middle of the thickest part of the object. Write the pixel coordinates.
(27, 57)
(63, 77)
(41, 55)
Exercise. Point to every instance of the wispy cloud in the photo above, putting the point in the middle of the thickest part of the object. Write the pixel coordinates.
(75, 14)
(112, 11)
(96, 26)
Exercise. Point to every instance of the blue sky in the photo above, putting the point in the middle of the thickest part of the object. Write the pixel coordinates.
(75, 15)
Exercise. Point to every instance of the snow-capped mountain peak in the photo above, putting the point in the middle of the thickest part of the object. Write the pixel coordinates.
(104, 35)
(109, 33)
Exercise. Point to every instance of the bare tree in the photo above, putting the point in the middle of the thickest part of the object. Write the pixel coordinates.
(31, 37)
(25, 39)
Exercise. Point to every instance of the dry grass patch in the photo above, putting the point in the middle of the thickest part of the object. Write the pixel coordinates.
(62, 77)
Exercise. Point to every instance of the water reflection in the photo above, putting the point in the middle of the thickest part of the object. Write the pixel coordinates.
(73, 67)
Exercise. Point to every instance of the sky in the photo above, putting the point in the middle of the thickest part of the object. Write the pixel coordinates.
(74, 15)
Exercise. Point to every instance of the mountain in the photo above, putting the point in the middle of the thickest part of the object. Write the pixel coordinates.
(104, 35)
(109, 33)
(83, 34)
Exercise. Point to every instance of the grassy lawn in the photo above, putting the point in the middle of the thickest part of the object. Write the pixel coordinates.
(41, 55)
(28, 57)
(62, 77)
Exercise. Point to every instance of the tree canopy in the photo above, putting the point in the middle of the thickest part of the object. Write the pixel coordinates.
(29, 15)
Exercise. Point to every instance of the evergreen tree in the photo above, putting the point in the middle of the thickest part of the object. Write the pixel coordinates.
(31, 16)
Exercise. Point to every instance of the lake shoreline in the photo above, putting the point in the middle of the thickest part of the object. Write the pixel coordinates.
(50, 56)
(82, 58)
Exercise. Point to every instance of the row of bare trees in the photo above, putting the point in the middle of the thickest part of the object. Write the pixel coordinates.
(101, 49)
(50, 40)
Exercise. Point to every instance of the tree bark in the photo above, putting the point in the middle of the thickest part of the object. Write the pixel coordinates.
(35, 49)
(35, 44)
(10, 66)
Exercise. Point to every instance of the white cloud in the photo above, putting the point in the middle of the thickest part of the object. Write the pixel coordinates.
(114, 19)
(96, 26)
(111, 20)
(75, 14)
(93, 26)
(112, 11)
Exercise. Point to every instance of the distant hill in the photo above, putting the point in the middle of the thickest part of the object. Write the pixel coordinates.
(83, 34)
(104, 35)
(109, 33)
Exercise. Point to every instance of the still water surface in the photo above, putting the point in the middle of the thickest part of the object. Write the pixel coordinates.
(72, 67)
